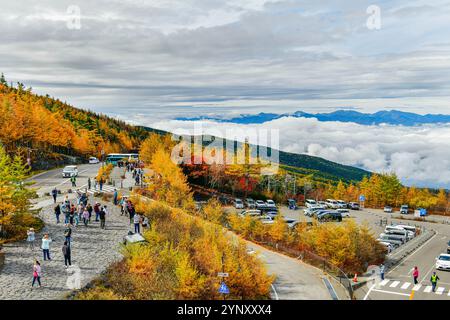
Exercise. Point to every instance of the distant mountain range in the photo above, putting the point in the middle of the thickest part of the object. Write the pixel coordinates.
(393, 117)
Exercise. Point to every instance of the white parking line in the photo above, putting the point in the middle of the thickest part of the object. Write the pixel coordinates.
(428, 289)
(417, 287)
(275, 291)
(394, 284)
(406, 285)
(384, 282)
(440, 290)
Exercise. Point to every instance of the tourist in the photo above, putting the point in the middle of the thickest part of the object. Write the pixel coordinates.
(46, 246)
(66, 252)
(30, 238)
(137, 223)
(102, 215)
(36, 273)
(57, 212)
(85, 217)
(68, 233)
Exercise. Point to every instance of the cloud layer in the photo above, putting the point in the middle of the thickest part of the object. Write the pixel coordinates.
(419, 155)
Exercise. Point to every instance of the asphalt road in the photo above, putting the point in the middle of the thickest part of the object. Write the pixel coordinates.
(46, 181)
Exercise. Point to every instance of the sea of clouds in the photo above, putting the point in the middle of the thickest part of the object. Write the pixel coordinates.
(418, 155)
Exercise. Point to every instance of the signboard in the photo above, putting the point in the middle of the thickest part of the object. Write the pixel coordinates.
(224, 289)
(223, 274)
(362, 198)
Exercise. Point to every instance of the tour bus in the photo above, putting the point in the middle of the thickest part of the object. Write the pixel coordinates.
(114, 158)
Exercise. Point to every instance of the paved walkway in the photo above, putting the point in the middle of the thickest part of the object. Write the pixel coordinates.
(93, 250)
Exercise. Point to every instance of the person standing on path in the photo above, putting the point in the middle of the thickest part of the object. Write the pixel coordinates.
(102, 215)
(415, 274)
(68, 234)
(36, 273)
(66, 252)
(85, 217)
(54, 194)
(131, 211)
(46, 246)
(89, 183)
(73, 179)
(101, 184)
(97, 211)
(57, 212)
(382, 269)
(30, 238)
(137, 223)
(434, 279)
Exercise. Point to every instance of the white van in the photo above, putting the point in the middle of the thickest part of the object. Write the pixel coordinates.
(333, 204)
(400, 231)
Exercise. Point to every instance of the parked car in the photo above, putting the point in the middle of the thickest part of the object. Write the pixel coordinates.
(448, 247)
(292, 204)
(250, 203)
(251, 213)
(266, 219)
(310, 203)
(333, 204)
(404, 209)
(344, 212)
(394, 243)
(93, 160)
(272, 214)
(411, 229)
(396, 237)
(238, 204)
(400, 231)
(322, 204)
(353, 205)
(341, 204)
(387, 209)
(329, 216)
(443, 262)
(270, 203)
(260, 204)
(70, 171)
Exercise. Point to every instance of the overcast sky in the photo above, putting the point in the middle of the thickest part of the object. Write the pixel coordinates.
(151, 61)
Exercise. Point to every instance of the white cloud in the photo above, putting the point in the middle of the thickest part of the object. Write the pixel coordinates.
(419, 155)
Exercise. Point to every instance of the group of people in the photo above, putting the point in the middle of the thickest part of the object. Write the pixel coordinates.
(138, 175)
(127, 208)
(415, 274)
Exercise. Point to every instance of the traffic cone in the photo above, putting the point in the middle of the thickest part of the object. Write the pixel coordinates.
(355, 278)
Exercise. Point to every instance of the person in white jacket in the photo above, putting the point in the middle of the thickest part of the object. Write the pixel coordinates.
(46, 246)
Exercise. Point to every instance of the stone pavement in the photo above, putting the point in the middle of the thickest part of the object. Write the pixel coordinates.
(93, 250)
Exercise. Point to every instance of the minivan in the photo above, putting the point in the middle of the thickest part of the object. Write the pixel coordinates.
(310, 203)
(332, 204)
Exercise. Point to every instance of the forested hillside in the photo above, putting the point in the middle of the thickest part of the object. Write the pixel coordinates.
(45, 127)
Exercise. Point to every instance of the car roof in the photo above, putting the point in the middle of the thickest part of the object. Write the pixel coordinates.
(444, 255)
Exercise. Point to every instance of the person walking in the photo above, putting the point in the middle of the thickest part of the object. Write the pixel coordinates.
(102, 215)
(36, 273)
(80, 211)
(85, 217)
(46, 246)
(137, 223)
(57, 212)
(67, 254)
(31, 236)
(68, 234)
(101, 184)
(382, 269)
(89, 183)
(434, 279)
(89, 209)
(66, 211)
(97, 211)
(54, 194)
(131, 211)
(415, 274)
(73, 179)
(116, 196)
(123, 206)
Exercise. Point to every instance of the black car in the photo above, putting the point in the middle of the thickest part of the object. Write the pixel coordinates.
(330, 216)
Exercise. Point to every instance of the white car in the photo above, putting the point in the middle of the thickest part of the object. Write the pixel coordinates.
(238, 204)
(265, 219)
(341, 204)
(345, 213)
(260, 204)
(70, 171)
(250, 213)
(271, 203)
(309, 203)
(443, 262)
(93, 160)
(333, 204)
